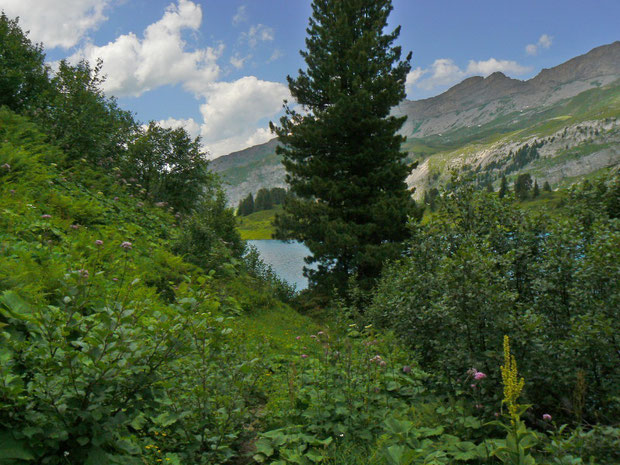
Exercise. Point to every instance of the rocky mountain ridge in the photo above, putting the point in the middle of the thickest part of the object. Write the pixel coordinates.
(472, 114)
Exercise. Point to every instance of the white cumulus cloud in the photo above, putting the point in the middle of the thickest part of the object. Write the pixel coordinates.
(445, 72)
(189, 124)
(492, 65)
(57, 23)
(544, 42)
(232, 110)
(135, 65)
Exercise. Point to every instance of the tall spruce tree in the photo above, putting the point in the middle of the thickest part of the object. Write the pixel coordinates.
(342, 155)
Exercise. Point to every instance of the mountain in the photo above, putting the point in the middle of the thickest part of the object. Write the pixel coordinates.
(570, 114)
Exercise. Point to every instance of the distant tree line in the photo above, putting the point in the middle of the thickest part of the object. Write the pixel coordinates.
(265, 199)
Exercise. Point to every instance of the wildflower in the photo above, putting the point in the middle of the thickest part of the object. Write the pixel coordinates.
(382, 363)
(313, 336)
(7, 167)
(139, 205)
(512, 384)
(479, 406)
(126, 245)
(12, 191)
(115, 199)
(376, 359)
(98, 242)
(406, 369)
(115, 279)
(298, 338)
(320, 333)
(46, 217)
(546, 417)
(304, 356)
(83, 273)
(75, 226)
(473, 386)
(479, 375)
(496, 414)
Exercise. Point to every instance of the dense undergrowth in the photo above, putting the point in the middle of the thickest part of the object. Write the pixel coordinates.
(134, 330)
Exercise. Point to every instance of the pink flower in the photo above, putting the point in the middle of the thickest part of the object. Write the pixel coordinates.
(473, 386)
(313, 336)
(320, 333)
(406, 369)
(479, 406)
(479, 375)
(46, 216)
(75, 226)
(114, 279)
(115, 199)
(304, 356)
(496, 414)
(83, 273)
(98, 242)
(298, 338)
(126, 245)
(546, 417)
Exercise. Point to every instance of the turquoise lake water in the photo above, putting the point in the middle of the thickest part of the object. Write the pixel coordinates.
(286, 259)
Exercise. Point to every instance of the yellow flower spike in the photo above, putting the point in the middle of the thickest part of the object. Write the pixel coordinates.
(512, 384)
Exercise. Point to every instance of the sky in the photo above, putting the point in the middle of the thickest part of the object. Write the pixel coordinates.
(219, 67)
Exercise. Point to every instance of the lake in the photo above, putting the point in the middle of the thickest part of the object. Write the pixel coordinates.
(286, 259)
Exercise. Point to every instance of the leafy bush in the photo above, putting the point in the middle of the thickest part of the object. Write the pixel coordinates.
(484, 267)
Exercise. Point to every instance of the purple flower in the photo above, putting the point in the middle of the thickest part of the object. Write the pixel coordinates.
(473, 386)
(126, 245)
(479, 375)
(12, 191)
(114, 279)
(75, 226)
(98, 242)
(46, 216)
(546, 417)
(298, 338)
(406, 369)
(304, 356)
(115, 199)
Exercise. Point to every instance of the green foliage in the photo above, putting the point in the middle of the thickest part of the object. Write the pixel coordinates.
(523, 186)
(340, 393)
(24, 76)
(483, 267)
(343, 159)
(170, 166)
(81, 120)
(246, 206)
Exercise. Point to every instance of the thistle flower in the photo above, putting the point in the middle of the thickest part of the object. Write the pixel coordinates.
(546, 417)
(304, 356)
(99, 242)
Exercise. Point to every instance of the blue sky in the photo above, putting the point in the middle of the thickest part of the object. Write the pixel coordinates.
(219, 67)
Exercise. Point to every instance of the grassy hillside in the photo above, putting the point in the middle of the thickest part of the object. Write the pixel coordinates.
(258, 225)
